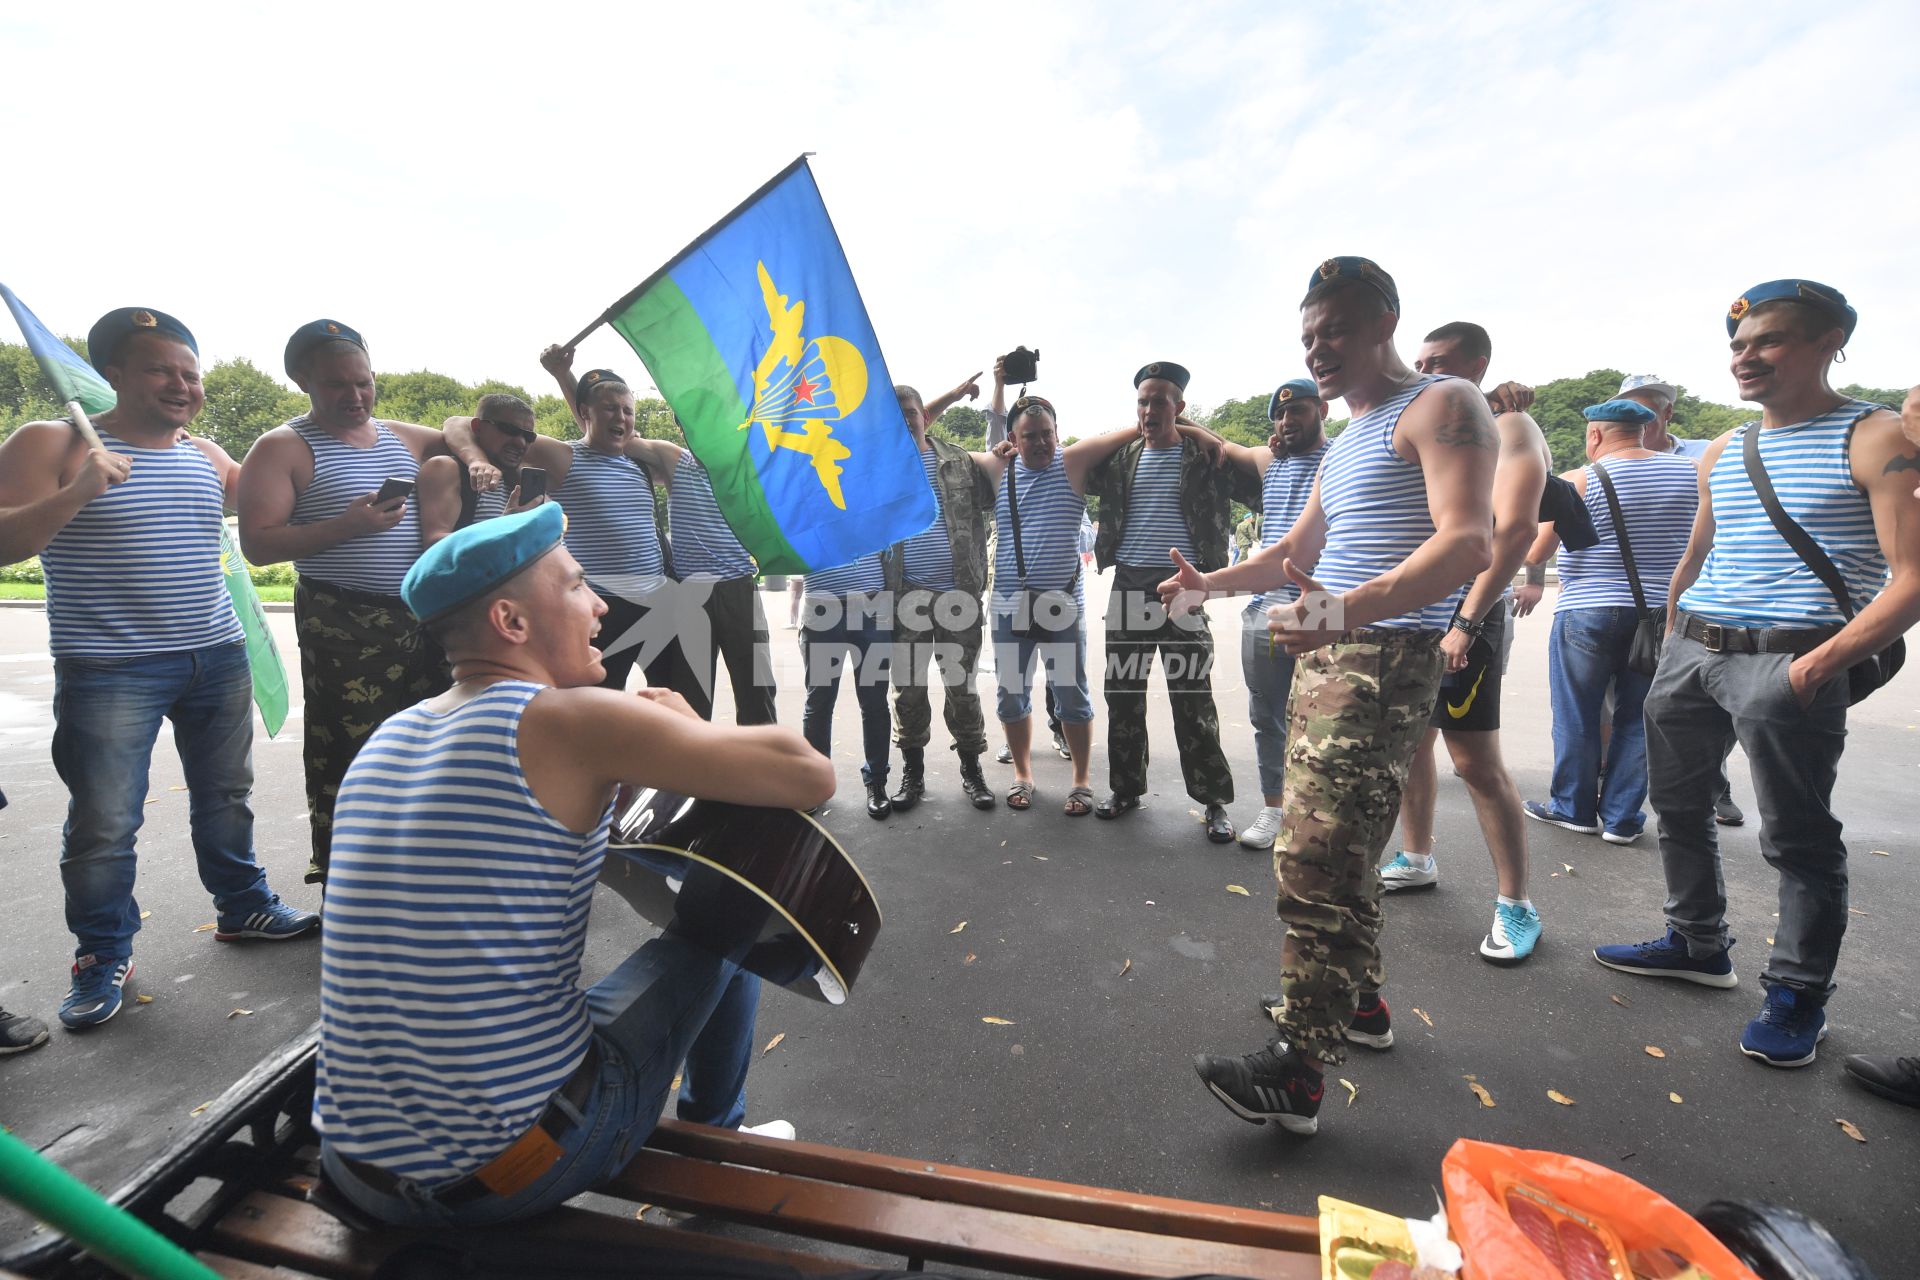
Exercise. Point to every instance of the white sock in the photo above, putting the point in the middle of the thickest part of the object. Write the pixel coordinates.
(1525, 904)
(1421, 861)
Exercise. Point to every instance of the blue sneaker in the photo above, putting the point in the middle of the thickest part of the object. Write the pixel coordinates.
(1404, 873)
(1542, 813)
(95, 996)
(1668, 958)
(1787, 1033)
(1514, 933)
(273, 921)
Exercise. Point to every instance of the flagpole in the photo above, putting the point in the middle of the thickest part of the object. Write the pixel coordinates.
(84, 425)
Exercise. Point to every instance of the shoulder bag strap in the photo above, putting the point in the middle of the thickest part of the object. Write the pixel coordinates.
(1798, 538)
(1013, 514)
(1620, 535)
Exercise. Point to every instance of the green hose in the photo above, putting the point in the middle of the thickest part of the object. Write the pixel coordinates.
(69, 1206)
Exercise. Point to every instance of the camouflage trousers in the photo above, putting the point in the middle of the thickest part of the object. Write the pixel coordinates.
(923, 636)
(362, 658)
(1137, 627)
(1357, 712)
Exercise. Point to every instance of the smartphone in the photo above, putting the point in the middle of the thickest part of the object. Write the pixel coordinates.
(533, 485)
(393, 491)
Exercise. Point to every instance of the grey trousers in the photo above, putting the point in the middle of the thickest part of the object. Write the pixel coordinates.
(1699, 704)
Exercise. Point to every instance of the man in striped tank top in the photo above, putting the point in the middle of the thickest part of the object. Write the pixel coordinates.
(142, 630)
(1760, 650)
(453, 496)
(1159, 494)
(1400, 516)
(320, 491)
(464, 1075)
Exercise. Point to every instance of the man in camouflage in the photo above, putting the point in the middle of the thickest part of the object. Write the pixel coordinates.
(1155, 494)
(1399, 517)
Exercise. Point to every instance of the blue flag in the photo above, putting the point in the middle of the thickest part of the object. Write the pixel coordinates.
(758, 338)
(72, 378)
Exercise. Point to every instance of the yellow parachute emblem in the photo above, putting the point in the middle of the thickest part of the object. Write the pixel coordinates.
(809, 383)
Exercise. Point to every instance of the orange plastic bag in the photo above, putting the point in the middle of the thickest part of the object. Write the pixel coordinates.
(1474, 1173)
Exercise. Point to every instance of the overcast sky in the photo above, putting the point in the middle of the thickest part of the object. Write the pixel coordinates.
(1110, 183)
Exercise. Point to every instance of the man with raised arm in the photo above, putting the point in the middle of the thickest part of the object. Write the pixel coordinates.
(1761, 648)
(142, 630)
(464, 1076)
(311, 491)
(1400, 516)
(1475, 647)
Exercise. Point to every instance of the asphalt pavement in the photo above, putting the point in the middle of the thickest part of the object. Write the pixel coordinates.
(1113, 952)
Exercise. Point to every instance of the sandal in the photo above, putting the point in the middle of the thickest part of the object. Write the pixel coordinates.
(1079, 802)
(1020, 795)
(1117, 805)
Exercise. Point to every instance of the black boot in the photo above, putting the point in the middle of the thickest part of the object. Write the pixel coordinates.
(973, 782)
(878, 806)
(913, 778)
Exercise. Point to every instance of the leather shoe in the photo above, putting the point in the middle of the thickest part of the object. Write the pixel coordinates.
(1116, 805)
(1887, 1075)
(1219, 825)
(878, 806)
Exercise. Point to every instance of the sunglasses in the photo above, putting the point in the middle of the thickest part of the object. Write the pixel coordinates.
(510, 429)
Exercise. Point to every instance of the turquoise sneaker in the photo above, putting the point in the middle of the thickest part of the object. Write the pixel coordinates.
(1514, 933)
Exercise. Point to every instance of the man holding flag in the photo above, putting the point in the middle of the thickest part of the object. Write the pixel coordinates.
(142, 628)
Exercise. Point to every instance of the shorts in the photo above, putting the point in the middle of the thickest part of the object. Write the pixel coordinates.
(1470, 697)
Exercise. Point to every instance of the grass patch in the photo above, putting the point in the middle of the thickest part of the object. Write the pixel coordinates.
(270, 593)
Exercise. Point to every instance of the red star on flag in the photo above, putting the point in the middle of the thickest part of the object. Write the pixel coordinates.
(803, 390)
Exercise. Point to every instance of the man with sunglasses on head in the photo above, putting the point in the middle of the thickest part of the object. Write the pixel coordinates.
(452, 496)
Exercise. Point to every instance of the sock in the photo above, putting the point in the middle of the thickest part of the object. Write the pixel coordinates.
(1422, 861)
(1525, 904)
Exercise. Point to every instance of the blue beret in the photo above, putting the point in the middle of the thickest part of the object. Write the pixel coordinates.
(115, 327)
(1619, 411)
(312, 334)
(1828, 301)
(1165, 369)
(469, 562)
(593, 378)
(1365, 270)
(1296, 389)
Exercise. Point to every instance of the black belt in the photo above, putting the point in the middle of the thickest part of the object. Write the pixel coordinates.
(552, 1122)
(1718, 638)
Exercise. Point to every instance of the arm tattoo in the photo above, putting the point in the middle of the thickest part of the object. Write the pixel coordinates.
(1463, 430)
(1903, 462)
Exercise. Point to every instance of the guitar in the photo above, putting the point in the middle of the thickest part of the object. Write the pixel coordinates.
(769, 884)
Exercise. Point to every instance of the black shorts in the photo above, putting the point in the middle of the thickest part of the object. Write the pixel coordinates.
(1470, 697)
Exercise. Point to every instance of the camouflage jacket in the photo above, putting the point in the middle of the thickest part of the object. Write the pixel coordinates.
(966, 502)
(1206, 495)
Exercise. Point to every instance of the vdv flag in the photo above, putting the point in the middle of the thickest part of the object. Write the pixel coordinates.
(756, 335)
(74, 380)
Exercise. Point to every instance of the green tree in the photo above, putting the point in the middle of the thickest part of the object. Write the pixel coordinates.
(243, 403)
(25, 394)
(1888, 396)
(962, 425)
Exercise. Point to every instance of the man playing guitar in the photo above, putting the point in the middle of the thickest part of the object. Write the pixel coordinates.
(464, 1075)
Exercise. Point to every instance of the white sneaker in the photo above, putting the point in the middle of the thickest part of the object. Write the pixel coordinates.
(1264, 830)
(1404, 873)
(782, 1129)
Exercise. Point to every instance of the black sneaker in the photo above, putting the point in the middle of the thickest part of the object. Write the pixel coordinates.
(1273, 1084)
(19, 1033)
(1372, 1025)
(1887, 1075)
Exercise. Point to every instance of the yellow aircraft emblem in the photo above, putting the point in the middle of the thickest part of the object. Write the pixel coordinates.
(805, 383)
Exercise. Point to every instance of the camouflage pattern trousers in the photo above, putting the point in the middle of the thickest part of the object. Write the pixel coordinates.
(1136, 627)
(941, 630)
(362, 658)
(1357, 712)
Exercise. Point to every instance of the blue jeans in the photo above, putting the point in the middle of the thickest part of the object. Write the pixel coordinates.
(1586, 651)
(107, 714)
(835, 634)
(671, 1002)
(1269, 674)
(1013, 668)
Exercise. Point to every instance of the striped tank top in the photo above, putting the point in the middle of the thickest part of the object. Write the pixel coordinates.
(1658, 496)
(491, 503)
(137, 570)
(450, 1000)
(610, 528)
(863, 575)
(1050, 517)
(927, 559)
(1154, 519)
(377, 562)
(1285, 486)
(1752, 578)
(704, 545)
(1376, 507)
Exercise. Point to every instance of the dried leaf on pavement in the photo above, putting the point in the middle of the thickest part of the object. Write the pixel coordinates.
(1040, 857)
(240, 1013)
(1855, 911)
(201, 1108)
(1851, 1130)
(145, 914)
(1881, 853)
(1674, 1097)
(957, 928)
(773, 1044)
(1568, 868)
(1125, 967)
(1655, 1051)
(1239, 889)
(1480, 1092)
(1353, 1090)
(992, 1021)
(1622, 1001)
(970, 958)
(143, 999)
(203, 928)
(1422, 1015)
(1560, 1097)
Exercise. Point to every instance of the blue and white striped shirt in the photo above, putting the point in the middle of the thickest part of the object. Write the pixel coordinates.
(450, 1000)
(1658, 496)
(1050, 517)
(862, 575)
(610, 528)
(137, 570)
(1285, 486)
(490, 503)
(375, 562)
(1376, 507)
(927, 558)
(1155, 521)
(1752, 578)
(704, 544)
